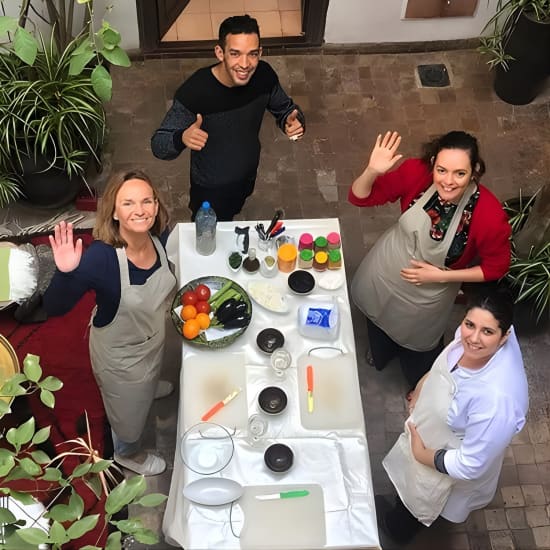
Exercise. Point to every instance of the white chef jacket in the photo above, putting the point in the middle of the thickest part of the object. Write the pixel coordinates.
(488, 409)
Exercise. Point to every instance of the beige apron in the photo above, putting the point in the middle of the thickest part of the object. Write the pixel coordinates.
(413, 316)
(126, 354)
(424, 490)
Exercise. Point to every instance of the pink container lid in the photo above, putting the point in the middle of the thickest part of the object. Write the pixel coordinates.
(306, 240)
(333, 238)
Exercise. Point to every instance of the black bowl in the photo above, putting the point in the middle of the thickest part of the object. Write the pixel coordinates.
(301, 282)
(272, 400)
(270, 339)
(278, 457)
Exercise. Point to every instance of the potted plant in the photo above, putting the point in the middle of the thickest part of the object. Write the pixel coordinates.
(529, 274)
(517, 41)
(52, 119)
(22, 460)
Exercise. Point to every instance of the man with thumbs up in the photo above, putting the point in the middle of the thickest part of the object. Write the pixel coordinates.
(217, 113)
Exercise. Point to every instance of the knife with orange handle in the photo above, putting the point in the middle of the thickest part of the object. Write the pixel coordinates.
(309, 378)
(220, 404)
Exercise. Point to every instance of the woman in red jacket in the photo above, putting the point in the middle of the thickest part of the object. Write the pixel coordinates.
(452, 230)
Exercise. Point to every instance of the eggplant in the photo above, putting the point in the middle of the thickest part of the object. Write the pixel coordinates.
(224, 312)
(230, 309)
(238, 322)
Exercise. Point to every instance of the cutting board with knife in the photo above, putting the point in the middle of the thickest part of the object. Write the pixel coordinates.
(287, 518)
(331, 386)
(209, 379)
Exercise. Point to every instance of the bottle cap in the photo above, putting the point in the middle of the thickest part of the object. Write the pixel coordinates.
(334, 255)
(205, 204)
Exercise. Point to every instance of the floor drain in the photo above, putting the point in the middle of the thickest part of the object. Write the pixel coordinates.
(433, 76)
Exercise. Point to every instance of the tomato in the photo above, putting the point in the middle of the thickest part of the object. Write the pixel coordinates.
(202, 292)
(189, 298)
(202, 307)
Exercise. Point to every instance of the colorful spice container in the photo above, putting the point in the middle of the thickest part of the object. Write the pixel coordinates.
(320, 244)
(320, 261)
(306, 241)
(305, 260)
(334, 259)
(286, 257)
(333, 240)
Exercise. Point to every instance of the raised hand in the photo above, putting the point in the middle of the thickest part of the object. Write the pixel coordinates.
(66, 252)
(383, 156)
(194, 138)
(293, 127)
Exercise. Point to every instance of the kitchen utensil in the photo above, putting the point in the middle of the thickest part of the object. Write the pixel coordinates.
(209, 375)
(207, 448)
(272, 400)
(280, 361)
(283, 524)
(283, 495)
(213, 491)
(279, 458)
(220, 404)
(309, 379)
(212, 337)
(337, 392)
(275, 219)
(301, 282)
(270, 339)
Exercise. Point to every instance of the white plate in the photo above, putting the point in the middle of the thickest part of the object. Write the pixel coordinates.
(331, 280)
(268, 296)
(213, 491)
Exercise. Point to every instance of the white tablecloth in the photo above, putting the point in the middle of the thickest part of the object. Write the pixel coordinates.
(337, 460)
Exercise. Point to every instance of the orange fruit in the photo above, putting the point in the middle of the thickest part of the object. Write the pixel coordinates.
(191, 329)
(203, 319)
(188, 312)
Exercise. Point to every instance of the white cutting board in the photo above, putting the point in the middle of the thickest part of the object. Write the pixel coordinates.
(209, 377)
(283, 523)
(336, 393)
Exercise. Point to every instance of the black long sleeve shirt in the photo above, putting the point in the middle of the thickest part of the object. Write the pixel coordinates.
(232, 117)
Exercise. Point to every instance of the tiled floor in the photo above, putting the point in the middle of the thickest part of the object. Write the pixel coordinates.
(348, 100)
(201, 18)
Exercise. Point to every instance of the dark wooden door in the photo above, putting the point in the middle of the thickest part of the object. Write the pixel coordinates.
(168, 11)
(155, 17)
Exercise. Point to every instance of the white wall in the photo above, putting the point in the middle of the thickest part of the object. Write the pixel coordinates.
(375, 21)
(123, 17)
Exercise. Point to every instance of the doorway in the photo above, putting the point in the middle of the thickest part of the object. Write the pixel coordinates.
(156, 19)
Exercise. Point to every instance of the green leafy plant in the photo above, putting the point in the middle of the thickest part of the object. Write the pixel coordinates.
(529, 273)
(500, 27)
(20, 458)
(52, 92)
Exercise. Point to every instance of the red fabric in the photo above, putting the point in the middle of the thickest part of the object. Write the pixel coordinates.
(62, 344)
(489, 236)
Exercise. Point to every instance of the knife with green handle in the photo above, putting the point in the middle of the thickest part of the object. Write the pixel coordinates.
(284, 494)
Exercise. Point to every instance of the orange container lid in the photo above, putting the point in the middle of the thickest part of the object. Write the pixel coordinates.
(287, 252)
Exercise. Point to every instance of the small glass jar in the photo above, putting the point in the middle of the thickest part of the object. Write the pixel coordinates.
(305, 260)
(320, 244)
(320, 261)
(333, 240)
(334, 259)
(286, 257)
(306, 241)
(251, 264)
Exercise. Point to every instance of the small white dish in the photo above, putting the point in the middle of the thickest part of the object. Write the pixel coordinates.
(331, 280)
(240, 258)
(213, 491)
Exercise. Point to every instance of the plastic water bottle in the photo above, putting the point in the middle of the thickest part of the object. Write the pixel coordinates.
(205, 229)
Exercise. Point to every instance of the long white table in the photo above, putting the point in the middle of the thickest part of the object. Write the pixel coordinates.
(333, 463)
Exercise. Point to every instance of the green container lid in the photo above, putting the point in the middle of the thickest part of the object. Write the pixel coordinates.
(306, 254)
(321, 242)
(334, 255)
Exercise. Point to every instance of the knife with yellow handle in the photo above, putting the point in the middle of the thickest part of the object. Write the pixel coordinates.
(220, 404)
(309, 378)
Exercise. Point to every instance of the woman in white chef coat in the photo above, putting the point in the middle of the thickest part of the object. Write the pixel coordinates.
(463, 415)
